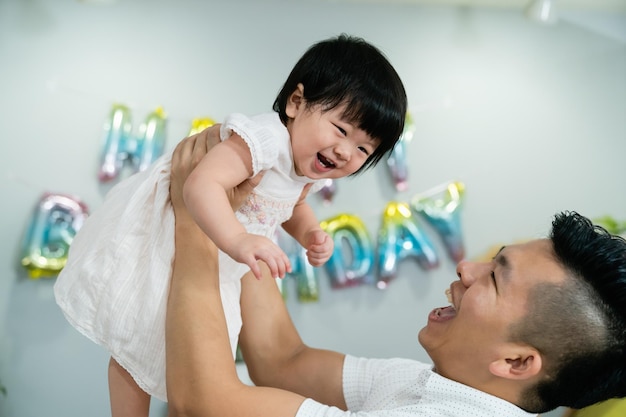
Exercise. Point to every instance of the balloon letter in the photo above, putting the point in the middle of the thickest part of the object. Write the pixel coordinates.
(400, 237)
(352, 260)
(441, 208)
(398, 168)
(151, 140)
(198, 125)
(120, 146)
(328, 191)
(54, 223)
(117, 136)
(301, 269)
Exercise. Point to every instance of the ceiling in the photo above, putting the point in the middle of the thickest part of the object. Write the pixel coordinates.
(612, 6)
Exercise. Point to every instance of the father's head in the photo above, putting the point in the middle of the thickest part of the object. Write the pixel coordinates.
(541, 325)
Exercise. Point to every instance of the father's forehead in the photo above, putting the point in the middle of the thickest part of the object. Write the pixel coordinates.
(535, 245)
(534, 259)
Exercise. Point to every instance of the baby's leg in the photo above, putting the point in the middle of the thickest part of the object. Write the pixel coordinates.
(127, 399)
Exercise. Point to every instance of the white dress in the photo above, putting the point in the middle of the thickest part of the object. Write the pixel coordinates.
(115, 284)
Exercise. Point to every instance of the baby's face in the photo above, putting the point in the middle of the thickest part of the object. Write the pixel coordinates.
(325, 145)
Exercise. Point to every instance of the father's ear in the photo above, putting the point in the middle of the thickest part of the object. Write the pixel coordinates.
(517, 362)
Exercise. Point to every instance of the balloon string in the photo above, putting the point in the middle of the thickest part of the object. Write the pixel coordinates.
(21, 181)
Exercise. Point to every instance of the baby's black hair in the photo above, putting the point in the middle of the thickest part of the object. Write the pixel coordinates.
(347, 70)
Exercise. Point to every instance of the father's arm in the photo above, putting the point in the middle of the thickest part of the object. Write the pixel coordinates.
(274, 352)
(201, 375)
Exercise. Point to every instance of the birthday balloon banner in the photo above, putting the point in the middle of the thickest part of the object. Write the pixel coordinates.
(355, 260)
(358, 259)
(56, 219)
(401, 237)
(121, 148)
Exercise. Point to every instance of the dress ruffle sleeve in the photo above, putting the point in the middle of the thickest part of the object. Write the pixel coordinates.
(260, 140)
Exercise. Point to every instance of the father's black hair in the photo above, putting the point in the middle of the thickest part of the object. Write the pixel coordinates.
(580, 327)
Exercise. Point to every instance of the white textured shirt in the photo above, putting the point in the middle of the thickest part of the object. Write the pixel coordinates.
(403, 388)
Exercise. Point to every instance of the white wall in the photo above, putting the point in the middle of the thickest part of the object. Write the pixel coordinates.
(530, 118)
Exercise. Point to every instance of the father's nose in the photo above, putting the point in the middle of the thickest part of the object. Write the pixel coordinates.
(468, 272)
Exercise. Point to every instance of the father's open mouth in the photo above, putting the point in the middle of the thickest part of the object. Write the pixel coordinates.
(444, 313)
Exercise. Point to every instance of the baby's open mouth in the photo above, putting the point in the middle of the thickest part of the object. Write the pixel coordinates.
(327, 163)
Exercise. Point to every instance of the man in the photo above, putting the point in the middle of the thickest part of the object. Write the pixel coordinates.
(541, 325)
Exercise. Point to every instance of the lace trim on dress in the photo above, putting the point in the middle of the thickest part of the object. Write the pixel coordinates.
(268, 212)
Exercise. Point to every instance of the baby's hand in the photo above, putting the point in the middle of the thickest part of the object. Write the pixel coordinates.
(319, 246)
(249, 248)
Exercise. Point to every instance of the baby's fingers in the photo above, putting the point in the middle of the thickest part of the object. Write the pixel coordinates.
(256, 270)
(317, 259)
(278, 264)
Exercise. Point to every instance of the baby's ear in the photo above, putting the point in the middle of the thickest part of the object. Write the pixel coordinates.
(517, 362)
(295, 101)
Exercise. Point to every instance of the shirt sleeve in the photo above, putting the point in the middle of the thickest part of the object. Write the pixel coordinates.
(358, 379)
(311, 408)
(352, 367)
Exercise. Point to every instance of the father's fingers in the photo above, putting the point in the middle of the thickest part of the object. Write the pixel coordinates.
(240, 193)
(210, 136)
(250, 183)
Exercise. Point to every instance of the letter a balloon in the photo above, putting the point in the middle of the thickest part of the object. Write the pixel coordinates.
(441, 207)
(401, 237)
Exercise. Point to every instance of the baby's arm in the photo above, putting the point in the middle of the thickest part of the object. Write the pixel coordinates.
(305, 228)
(227, 165)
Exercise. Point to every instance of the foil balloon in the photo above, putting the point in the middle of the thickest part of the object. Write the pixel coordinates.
(352, 260)
(307, 283)
(151, 140)
(117, 138)
(328, 191)
(441, 209)
(401, 237)
(55, 221)
(198, 125)
(396, 163)
(306, 279)
(121, 148)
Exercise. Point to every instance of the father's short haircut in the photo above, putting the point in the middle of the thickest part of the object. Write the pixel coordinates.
(579, 327)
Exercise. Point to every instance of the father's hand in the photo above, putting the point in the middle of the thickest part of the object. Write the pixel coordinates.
(188, 154)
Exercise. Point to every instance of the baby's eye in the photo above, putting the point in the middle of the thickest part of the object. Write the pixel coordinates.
(341, 130)
(364, 150)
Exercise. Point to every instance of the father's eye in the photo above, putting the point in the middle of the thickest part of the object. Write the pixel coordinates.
(493, 278)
